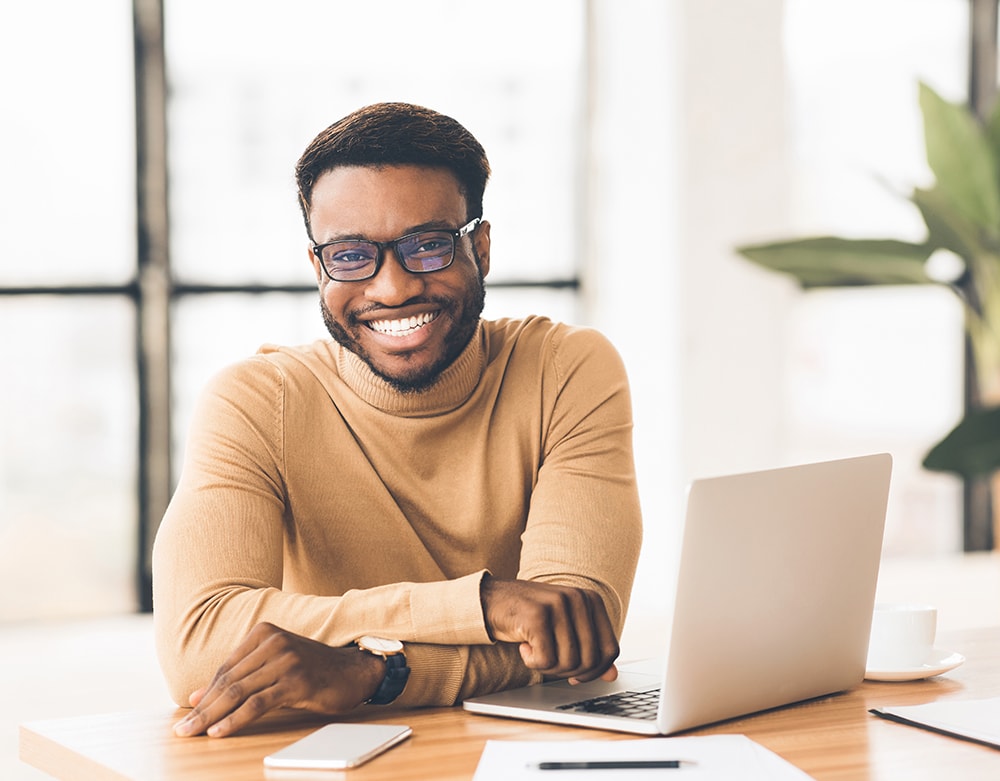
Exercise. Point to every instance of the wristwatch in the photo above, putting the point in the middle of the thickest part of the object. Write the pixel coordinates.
(396, 671)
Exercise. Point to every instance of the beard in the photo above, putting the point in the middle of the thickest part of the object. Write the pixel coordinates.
(457, 339)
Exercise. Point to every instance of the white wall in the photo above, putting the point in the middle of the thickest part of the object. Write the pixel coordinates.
(688, 161)
(712, 129)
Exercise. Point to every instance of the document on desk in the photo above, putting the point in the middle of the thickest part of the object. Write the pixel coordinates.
(702, 757)
(977, 720)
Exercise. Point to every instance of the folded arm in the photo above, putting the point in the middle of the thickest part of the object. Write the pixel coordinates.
(221, 559)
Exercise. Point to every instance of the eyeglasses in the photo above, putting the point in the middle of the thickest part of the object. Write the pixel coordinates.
(354, 260)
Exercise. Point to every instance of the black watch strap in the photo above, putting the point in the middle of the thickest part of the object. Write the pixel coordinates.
(396, 676)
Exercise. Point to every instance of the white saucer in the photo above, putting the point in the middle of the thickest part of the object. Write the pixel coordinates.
(939, 662)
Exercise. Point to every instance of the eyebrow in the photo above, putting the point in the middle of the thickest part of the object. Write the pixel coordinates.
(424, 226)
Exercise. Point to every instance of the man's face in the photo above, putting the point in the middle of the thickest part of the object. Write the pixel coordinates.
(407, 327)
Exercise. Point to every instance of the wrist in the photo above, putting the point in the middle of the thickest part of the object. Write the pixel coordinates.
(485, 586)
(371, 674)
(390, 662)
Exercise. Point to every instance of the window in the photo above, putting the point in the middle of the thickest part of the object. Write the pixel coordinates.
(250, 84)
(874, 368)
(67, 223)
(239, 121)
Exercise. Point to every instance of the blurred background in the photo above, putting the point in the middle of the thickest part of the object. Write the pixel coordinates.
(149, 235)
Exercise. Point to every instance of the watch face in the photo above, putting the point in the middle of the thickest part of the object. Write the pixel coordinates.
(380, 645)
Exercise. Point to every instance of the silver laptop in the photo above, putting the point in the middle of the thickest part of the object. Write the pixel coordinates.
(773, 605)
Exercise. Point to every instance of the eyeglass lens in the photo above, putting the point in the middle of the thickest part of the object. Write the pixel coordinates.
(356, 259)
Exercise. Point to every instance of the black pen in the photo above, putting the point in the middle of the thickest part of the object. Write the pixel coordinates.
(617, 764)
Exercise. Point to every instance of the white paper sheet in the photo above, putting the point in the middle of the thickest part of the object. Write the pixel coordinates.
(972, 719)
(713, 757)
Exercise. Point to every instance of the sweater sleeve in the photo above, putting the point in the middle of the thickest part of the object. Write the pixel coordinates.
(218, 560)
(584, 524)
(220, 555)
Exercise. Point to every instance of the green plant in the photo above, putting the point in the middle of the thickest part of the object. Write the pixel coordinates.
(962, 214)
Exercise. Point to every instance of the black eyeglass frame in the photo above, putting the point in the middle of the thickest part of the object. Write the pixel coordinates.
(382, 246)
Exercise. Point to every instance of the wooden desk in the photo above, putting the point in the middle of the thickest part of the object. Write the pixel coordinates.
(830, 738)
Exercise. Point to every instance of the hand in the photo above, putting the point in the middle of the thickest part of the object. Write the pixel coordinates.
(272, 669)
(562, 631)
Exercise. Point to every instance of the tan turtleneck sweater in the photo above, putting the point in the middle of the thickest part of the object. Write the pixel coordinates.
(316, 497)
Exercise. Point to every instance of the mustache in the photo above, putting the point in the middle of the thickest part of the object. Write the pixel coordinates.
(355, 315)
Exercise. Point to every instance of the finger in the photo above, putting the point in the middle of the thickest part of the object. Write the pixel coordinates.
(540, 647)
(588, 645)
(210, 704)
(552, 632)
(235, 682)
(203, 696)
(571, 630)
(203, 699)
(551, 644)
(249, 710)
(606, 639)
(599, 645)
(586, 611)
(581, 629)
(567, 633)
(563, 631)
(229, 693)
(611, 674)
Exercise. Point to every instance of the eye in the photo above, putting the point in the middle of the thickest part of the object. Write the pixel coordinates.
(351, 257)
(433, 245)
(349, 254)
(429, 245)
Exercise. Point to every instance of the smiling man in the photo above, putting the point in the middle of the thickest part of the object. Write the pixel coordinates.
(428, 507)
(406, 324)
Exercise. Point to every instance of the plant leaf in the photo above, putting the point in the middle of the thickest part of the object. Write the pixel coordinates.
(971, 448)
(946, 227)
(962, 159)
(829, 261)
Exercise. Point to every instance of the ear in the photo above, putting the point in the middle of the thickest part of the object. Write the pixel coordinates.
(317, 268)
(481, 241)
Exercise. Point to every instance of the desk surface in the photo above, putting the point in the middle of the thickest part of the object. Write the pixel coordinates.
(830, 738)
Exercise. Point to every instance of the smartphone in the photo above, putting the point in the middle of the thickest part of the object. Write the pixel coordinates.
(338, 746)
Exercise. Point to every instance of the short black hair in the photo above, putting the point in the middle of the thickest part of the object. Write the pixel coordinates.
(385, 134)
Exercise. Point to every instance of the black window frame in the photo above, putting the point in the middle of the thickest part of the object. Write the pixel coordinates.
(153, 290)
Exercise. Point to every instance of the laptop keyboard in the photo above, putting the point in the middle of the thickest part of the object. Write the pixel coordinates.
(632, 705)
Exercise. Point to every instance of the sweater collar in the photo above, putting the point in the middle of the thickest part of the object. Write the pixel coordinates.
(448, 392)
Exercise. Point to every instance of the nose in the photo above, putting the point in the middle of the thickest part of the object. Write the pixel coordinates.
(393, 285)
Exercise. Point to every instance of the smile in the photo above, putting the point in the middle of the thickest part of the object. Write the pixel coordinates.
(404, 326)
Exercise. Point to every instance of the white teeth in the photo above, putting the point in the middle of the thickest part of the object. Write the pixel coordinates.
(402, 327)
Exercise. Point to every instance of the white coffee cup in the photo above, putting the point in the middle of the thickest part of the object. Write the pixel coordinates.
(902, 636)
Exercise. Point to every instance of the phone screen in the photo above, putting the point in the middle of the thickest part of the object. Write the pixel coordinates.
(338, 746)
